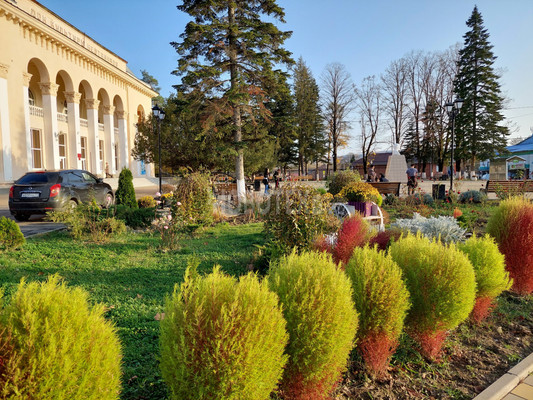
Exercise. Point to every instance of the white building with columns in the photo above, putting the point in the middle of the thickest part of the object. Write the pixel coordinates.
(65, 100)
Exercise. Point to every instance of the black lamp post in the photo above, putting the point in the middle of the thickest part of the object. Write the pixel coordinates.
(453, 109)
(159, 115)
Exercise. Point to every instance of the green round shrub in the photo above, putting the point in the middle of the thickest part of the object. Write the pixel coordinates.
(295, 216)
(491, 277)
(316, 298)
(11, 237)
(194, 194)
(337, 181)
(472, 196)
(146, 202)
(59, 347)
(222, 339)
(125, 193)
(442, 287)
(382, 300)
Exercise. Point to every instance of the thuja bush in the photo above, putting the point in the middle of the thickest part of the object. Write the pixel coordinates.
(337, 181)
(11, 237)
(125, 193)
(442, 286)
(316, 299)
(57, 346)
(382, 300)
(512, 226)
(194, 194)
(491, 277)
(354, 232)
(222, 339)
(295, 216)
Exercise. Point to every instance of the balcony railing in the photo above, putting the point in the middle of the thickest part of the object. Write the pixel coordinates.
(36, 111)
(83, 122)
(100, 126)
(116, 131)
(62, 117)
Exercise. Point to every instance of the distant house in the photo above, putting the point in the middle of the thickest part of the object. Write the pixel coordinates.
(515, 165)
(378, 160)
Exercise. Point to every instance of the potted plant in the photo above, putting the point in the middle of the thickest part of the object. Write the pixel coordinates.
(361, 195)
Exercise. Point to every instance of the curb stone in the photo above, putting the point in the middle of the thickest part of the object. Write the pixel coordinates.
(509, 381)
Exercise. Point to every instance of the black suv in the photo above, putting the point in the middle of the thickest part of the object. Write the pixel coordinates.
(43, 191)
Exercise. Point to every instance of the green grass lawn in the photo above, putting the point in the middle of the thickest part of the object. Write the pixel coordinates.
(131, 277)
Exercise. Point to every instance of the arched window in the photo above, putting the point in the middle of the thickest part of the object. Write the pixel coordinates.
(31, 98)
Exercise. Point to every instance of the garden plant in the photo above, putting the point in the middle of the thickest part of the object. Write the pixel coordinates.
(512, 227)
(222, 338)
(11, 237)
(382, 301)
(125, 193)
(442, 287)
(491, 277)
(57, 346)
(316, 298)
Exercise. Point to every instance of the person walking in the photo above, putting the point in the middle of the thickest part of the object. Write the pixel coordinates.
(265, 180)
(276, 179)
(411, 179)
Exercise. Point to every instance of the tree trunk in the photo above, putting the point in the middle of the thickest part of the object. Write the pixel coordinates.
(239, 160)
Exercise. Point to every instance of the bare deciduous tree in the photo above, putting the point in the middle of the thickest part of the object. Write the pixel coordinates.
(337, 104)
(394, 84)
(368, 100)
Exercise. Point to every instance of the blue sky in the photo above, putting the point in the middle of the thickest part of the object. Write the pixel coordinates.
(363, 35)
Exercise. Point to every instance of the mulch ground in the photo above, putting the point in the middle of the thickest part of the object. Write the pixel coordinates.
(474, 357)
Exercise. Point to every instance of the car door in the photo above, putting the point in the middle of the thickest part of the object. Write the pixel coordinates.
(78, 186)
(95, 187)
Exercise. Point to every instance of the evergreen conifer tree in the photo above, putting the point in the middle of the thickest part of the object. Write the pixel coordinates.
(229, 53)
(312, 144)
(125, 193)
(479, 130)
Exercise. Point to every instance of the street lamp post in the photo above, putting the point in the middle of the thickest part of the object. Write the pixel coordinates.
(453, 109)
(159, 114)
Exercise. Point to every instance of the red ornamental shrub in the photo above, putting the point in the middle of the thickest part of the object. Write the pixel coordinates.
(512, 227)
(354, 232)
(384, 239)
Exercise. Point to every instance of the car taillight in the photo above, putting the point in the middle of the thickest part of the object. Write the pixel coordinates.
(11, 191)
(54, 190)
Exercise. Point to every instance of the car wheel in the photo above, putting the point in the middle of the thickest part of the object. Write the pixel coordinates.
(21, 217)
(72, 204)
(109, 200)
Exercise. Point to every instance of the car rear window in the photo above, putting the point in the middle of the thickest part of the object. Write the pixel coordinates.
(38, 178)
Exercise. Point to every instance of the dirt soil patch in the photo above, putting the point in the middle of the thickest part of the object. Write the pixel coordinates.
(475, 357)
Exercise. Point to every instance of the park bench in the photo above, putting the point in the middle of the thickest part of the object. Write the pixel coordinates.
(509, 186)
(387, 187)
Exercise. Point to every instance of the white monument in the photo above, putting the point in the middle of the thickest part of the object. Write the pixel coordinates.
(396, 166)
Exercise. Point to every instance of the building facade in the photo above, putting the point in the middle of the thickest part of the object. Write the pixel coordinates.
(65, 100)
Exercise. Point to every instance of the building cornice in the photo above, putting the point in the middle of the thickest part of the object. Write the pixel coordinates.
(35, 29)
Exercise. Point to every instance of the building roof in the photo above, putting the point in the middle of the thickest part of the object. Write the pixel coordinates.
(375, 159)
(524, 145)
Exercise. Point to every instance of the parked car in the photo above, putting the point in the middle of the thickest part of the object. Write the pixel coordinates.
(43, 191)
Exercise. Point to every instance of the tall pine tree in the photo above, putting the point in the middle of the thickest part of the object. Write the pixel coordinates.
(312, 145)
(479, 130)
(229, 53)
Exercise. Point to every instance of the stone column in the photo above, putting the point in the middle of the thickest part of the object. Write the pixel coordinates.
(7, 166)
(123, 150)
(51, 133)
(26, 77)
(74, 136)
(92, 122)
(109, 138)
